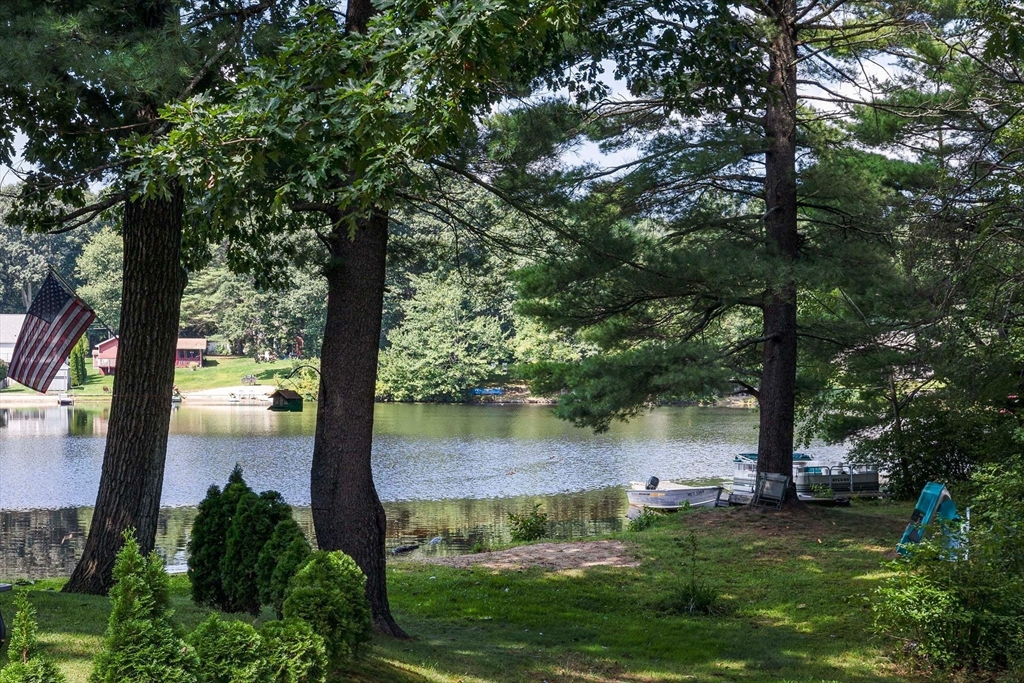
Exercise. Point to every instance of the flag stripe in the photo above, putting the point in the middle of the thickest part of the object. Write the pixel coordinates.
(48, 366)
(55, 322)
(42, 356)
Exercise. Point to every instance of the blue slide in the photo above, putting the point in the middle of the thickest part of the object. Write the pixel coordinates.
(934, 503)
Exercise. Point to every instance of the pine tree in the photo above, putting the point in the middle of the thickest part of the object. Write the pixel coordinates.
(76, 362)
(26, 663)
(253, 524)
(141, 645)
(206, 545)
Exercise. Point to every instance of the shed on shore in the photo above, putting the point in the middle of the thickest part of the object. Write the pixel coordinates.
(286, 400)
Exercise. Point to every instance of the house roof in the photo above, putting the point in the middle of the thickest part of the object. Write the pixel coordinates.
(191, 344)
(10, 326)
(287, 394)
(106, 348)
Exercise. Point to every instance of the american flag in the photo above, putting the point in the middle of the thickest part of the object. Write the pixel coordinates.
(55, 321)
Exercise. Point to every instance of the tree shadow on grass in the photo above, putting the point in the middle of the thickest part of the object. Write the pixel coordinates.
(794, 586)
(577, 635)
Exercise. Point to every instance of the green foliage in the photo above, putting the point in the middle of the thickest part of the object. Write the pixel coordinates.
(76, 362)
(935, 441)
(3, 371)
(252, 525)
(99, 268)
(293, 653)
(227, 652)
(529, 526)
(963, 607)
(207, 543)
(27, 665)
(141, 645)
(329, 592)
(644, 520)
(303, 378)
(450, 340)
(27, 256)
(278, 561)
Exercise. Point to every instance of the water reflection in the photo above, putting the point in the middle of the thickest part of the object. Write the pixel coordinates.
(449, 471)
(47, 543)
(51, 457)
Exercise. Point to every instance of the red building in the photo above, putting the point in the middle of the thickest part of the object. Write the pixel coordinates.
(189, 354)
(104, 356)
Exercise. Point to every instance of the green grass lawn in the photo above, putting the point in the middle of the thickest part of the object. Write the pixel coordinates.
(219, 371)
(228, 371)
(795, 593)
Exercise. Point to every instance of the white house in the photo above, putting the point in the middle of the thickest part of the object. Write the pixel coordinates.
(10, 326)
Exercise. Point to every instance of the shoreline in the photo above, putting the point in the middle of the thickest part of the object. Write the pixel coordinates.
(249, 399)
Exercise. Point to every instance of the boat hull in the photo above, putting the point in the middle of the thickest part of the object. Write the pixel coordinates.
(675, 498)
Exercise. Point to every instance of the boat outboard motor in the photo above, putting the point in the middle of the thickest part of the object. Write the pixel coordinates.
(652, 483)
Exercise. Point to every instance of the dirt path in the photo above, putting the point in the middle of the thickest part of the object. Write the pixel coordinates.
(551, 556)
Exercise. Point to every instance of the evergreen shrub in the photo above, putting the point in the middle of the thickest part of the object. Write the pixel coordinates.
(293, 653)
(280, 558)
(962, 607)
(329, 592)
(207, 541)
(227, 652)
(26, 663)
(530, 526)
(252, 526)
(140, 644)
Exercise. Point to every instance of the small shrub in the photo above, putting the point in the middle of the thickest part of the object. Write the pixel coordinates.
(27, 665)
(530, 526)
(962, 607)
(280, 558)
(823, 491)
(644, 520)
(693, 596)
(140, 644)
(251, 527)
(293, 653)
(206, 544)
(329, 592)
(227, 652)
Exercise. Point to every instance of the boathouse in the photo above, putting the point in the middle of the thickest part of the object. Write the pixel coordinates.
(286, 400)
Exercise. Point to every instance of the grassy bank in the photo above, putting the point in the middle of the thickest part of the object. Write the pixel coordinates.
(794, 586)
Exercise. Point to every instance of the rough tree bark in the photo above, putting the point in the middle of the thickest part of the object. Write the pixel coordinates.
(133, 462)
(778, 379)
(347, 514)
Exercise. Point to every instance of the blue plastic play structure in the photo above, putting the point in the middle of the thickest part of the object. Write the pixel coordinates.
(935, 503)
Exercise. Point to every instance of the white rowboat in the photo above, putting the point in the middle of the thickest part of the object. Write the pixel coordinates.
(671, 496)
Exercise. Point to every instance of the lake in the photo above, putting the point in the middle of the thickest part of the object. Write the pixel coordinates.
(449, 471)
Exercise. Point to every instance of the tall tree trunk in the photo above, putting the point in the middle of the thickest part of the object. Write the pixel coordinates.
(778, 379)
(347, 514)
(133, 462)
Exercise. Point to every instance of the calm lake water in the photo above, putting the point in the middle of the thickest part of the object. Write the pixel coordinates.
(442, 471)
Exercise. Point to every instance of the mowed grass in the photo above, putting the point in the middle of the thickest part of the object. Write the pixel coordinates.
(220, 371)
(228, 371)
(795, 593)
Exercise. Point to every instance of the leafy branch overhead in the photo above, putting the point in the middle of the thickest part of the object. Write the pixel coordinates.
(341, 122)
